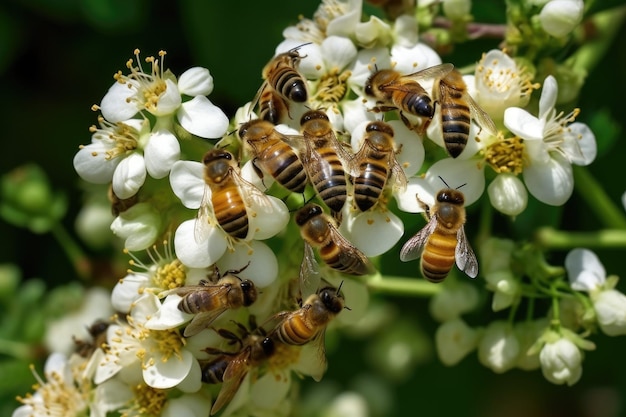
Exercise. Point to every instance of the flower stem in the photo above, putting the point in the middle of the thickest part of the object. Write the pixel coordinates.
(597, 199)
(16, 350)
(409, 287)
(75, 254)
(549, 238)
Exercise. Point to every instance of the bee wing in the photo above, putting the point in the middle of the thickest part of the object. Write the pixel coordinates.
(205, 217)
(234, 375)
(412, 249)
(480, 116)
(310, 276)
(347, 159)
(436, 71)
(251, 193)
(258, 95)
(318, 353)
(202, 320)
(351, 253)
(464, 255)
(397, 174)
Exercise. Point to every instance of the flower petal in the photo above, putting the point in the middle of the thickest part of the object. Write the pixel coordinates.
(373, 232)
(550, 183)
(584, 269)
(269, 221)
(338, 52)
(523, 124)
(201, 254)
(168, 316)
(187, 181)
(548, 98)
(196, 81)
(507, 194)
(585, 141)
(202, 118)
(263, 267)
(116, 105)
(129, 176)
(160, 153)
(464, 175)
(91, 163)
(169, 100)
(169, 373)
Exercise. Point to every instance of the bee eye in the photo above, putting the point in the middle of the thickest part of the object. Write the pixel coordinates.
(369, 90)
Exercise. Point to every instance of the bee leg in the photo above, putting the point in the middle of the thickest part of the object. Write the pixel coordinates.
(258, 171)
(424, 206)
(236, 271)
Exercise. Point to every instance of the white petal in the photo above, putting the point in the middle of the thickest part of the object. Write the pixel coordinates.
(145, 307)
(139, 225)
(417, 58)
(584, 269)
(268, 391)
(586, 142)
(187, 181)
(201, 254)
(375, 233)
(160, 153)
(116, 106)
(454, 340)
(249, 174)
(344, 25)
(338, 52)
(127, 291)
(410, 149)
(550, 183)
(367, 61)
(559, 17)
(91, 164)
(263, 268)
(610, 307)
(417, 188)
(168, 374)
(507, 194)
(373, 32)
(523, 124)
(466, 176)
(196, 81)
(549, 94)
(129, 176)
(169, 315)
(193, 381)
(355, 113)
(269, 221)
(169, 100)
(202, 118)
(405, 30)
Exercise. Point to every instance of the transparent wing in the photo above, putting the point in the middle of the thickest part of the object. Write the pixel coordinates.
(413, 247)
(257, 97)
(437, 71)
(398, 177)
(351, 255)
(205, 217)
(316, 348)
(234, 375)
(465, 257)
(346, 157)
(310, 275)
(479, 116)
(251, 193)
(202, 320)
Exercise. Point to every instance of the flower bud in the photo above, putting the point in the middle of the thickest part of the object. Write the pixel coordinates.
(139, 226)
(559, 17)
(610, 306)
(561, 362)
(454, 340)
(499, 348)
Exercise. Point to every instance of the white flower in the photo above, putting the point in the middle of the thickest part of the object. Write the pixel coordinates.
(65, 393)
(586, 273)
(507, 194)
(500, 83)
(160, 94)
(60, 333)
(159, 355)
(561, 362)
(559, 17)
(453, 300)
(454, 340)
(527, 333)
(551, 145)
(464, 175)
(457, 9)
(498, 348)
(332, 18)
(505, 286)
(140, 226)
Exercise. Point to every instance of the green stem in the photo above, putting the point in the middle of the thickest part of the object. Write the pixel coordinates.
(16, 350)
(592, 192)
(410, 287)
(549, 238)
(77, 257)
(607, 24)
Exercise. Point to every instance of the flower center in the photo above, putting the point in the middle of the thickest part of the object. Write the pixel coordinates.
(149, 87)
(284, 356)
(147, 401)
(506, 155)
(124, 138)
(171, 275)
(332, 86)
(327, 11)
(164, 343)
(556, 130)
(504, 80)
(58, 398)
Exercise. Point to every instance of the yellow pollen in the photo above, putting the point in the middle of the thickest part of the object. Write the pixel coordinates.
(284, 356)
(147, 401)
(332, 86)
(171, 275)
(506, 155)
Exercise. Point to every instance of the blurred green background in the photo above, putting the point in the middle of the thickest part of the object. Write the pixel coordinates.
(57, 58)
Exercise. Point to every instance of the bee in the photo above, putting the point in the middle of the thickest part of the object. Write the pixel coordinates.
(226, 203)
(394, 91)
(376, 163)
(457, 110)
(208, 301)
(98, 333)
(282, 84)
(273, 155)
(319, 230)
(231, 369)
(120, 205)
(324, 159)
(308, 323)
(442, 240)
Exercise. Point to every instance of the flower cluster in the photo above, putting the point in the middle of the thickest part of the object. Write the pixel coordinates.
(244, 247)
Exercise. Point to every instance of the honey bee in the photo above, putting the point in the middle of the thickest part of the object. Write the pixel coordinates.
(457, 110)
(120, 205)
(308, 323)
(319, 230)
(98, 332)
(208, 301)
(226, 203)
(324, 159)
(394, 91)
(442, 240)
(282, 83)
(273, 155)
(376, 163)
(231, 369)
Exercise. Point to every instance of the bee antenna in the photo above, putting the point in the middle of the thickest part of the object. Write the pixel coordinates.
(339, 287)
(461, 186)
(444, 181)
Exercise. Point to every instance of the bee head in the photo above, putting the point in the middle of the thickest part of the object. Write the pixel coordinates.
(451, 196)
(332, 299)
(249, 292)
(307, 212)
(313, 115)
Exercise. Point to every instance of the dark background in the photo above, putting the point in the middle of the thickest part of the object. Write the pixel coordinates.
(58, 58)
